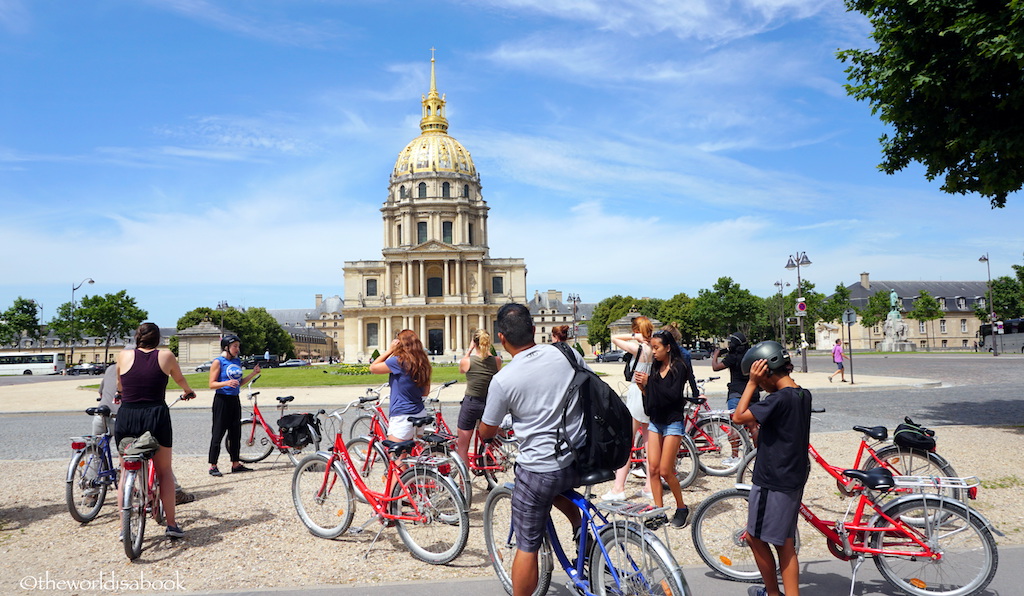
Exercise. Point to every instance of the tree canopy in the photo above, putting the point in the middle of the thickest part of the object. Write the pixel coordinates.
(258, 330)
(926, 309)
(725, 308)
(22, 318)
(876, 310)
(110, 316)
(948, 77)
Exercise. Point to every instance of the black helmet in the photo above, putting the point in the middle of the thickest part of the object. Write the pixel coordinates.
(737, 339)
(227, 340)
(772, 351)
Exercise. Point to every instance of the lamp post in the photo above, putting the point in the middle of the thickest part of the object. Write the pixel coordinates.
(74, 339)
(991, 305)
(796, 262)
(782, 311)
(575, 299)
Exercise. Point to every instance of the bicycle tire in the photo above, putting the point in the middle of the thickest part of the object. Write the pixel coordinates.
(717, 438)
(255, 444)
(360, 427)
(432, 522)
(746, 470)
(967, 546)
(133, 514)
(322, 497)
(82, 489)
(331, 429)
(500, 540)
(687, 462)
(458, 472)
(719, 530)
(498, 460)
(915, 462)
(644, 565)
(371, 461)
(157, 506)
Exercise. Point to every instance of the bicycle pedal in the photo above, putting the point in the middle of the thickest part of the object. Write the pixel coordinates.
(653, 523)
(355, 531)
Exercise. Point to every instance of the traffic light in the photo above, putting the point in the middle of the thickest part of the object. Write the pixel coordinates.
(801, 307)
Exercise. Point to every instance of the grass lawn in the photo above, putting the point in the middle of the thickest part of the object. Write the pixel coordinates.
(320, 376)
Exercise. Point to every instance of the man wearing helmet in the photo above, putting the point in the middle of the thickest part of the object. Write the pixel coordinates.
(781, 468)
(226, 376)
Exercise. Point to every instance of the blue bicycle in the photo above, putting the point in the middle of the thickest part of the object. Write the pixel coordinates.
(91, 472)
(616, 554)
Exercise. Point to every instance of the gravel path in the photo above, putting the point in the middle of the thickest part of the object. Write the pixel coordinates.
(243, 534)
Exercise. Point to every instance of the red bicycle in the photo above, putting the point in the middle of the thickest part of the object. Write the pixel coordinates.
(259, 438)
(414, 496)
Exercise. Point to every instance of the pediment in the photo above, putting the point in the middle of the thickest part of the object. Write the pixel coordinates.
(433, 246)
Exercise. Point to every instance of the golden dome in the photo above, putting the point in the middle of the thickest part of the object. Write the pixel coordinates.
(434, 150)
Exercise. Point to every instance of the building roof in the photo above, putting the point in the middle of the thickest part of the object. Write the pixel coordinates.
(908, 291)
(554, 305)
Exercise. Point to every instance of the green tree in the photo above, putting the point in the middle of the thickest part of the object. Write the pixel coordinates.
(948, 76)
(257, 330)
(66, 330)
(926, 309)
(1007, 299)
(725, 308)
(606, 311)
(678, 310)
(111, 316)
(834, 306)
(876, 310)
(21, 319)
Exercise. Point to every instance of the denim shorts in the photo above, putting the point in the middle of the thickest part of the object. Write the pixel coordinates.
(667, 430)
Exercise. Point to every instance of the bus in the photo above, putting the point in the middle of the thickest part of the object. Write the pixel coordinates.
(1011, 340)
(39, 363)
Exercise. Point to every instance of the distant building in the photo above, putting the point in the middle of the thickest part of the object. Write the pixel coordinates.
(549, 311)
(957, 330)
(87, 350)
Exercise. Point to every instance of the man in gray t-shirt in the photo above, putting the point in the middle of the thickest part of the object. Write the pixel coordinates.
(532, 387)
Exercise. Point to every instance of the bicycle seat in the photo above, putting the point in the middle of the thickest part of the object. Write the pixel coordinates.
(700, 401)
(596, 477)
(285, 399)
(101, 410)
(875, 478)
(397, 448)
(879, 433)
(421, 421)
(436, 439)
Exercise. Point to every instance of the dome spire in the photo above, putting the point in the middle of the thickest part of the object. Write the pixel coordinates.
(433, 119)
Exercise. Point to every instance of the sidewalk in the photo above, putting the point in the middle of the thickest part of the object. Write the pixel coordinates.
(66, 394)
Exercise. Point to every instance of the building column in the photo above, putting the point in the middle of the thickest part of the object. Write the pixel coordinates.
(423, 330)
(360, 341)
(458, 278)
(480, 278)
(448, 343)
(405, 278)
(447, 278)
(423, 282)
(460, 332)
(387, 334)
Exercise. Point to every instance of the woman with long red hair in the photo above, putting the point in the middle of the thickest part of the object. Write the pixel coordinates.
(407, 363)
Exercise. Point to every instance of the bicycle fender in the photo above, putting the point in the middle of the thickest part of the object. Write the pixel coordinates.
(746, 487)
(71, 467)
(942, 498)
(340, 470)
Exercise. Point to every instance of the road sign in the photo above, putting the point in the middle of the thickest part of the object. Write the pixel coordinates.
(849, 316)
(801, 307)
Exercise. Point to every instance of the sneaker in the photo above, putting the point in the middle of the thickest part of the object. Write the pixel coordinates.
(653, 523)
(215, 472)
(174, 532)
(638, 472)
(239, 469)
(613, 496)
(181, 497)
(844, 380)
(679, 519)
(731, 461)
(643, 494)
(757, 591)
(829, 380)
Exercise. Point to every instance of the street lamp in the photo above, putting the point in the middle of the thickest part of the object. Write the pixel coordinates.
(991, 305)
(796, 262)
(74, 339)
(782, 310)
(575, 299)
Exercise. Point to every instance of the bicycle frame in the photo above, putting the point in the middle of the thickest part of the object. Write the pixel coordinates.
(478, 456)
(108, 473)
(257, 416)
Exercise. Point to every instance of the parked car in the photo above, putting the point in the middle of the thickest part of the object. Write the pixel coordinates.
(294, 362)
(612, 356)
(699, 353)
(252, 361)
(88, 369)
(204, 367)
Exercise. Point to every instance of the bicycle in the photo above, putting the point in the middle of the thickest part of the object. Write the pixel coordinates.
(376, 421)
(258, 438)
(922, 544)
(91, 471)
(620, 556)
(424, 505)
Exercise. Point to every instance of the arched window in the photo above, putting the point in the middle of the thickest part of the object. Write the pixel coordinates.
(401, 192)
(423, 190)
(465, 190)
(446, 190)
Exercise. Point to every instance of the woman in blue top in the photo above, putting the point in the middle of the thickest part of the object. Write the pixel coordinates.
(226, 376)
(407, 363)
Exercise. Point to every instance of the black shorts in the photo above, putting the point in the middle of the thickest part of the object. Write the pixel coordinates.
(772, 514)
(532, 497)
(133, 420)
(471, 412)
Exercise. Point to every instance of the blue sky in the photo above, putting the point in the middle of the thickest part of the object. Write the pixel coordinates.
(193, 151)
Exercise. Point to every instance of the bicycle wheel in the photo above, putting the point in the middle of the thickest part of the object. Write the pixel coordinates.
(432, 521)
(256, 444)
(457, 471)
(914, 462)
(968, 559)
(498, 460)
(156, 505)
(722, 445)
(639, 559)
(372, 463)
(84, 493)
(687, 462)
(133, 514)
(321, 497)
(500, 539)
(330, 427)
(720, 535)
(360, 427)
(746, 468)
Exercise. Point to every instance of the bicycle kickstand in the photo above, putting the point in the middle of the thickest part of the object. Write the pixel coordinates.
(366, 555)
(855, 566)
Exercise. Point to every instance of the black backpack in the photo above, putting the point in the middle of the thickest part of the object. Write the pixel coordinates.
(911, 435)
(607, 425)
(299, 430)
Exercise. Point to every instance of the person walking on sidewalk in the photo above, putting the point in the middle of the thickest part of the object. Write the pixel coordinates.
(837, 357)
(226, 377)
